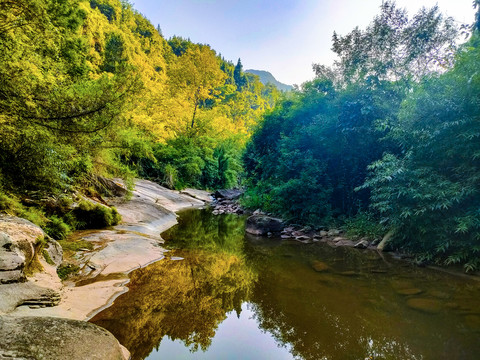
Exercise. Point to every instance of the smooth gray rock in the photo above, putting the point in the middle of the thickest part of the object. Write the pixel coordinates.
(230, 194)
(55, 339)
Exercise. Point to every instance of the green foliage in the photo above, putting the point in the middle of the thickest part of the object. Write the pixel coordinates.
(430, 193)
(64, 271)
(364, 224)
(383, 128)
(57, 228)
(200, 162)
(95, 216)
(310, 154)
(12, 206)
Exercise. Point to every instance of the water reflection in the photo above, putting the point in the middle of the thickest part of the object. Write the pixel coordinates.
(315, 301)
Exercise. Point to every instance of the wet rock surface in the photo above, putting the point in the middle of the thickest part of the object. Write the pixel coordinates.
(56, 339)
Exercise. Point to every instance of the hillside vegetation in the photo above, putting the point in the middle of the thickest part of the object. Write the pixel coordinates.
(92, 87)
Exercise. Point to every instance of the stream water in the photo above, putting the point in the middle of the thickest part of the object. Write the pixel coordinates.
(222, 295)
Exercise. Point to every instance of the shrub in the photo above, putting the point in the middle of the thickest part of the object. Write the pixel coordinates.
(95, 216)
(364, 224)
(57, 228)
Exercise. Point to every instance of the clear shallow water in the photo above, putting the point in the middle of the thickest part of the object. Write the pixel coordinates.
(233, 297)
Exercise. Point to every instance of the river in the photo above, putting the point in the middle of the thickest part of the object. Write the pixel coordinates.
(219, 294)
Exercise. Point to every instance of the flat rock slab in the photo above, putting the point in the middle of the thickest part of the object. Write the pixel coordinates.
(56, 339)
(198, 194)
(151, 192)
(121, 252)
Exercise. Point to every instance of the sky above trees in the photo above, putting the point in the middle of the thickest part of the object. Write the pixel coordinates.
(283, 36)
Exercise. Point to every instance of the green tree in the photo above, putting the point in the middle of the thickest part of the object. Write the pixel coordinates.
(239, 76)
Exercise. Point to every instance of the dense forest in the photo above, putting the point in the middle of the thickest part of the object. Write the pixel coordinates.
(90, 88)
(386, 141)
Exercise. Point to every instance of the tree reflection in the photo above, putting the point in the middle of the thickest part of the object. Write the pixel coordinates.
(202, 230)
(187, 299)
(353, 310)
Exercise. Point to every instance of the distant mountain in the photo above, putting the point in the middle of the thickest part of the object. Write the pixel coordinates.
(266, 77)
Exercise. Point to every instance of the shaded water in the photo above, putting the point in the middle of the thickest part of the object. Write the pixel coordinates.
(235, 297)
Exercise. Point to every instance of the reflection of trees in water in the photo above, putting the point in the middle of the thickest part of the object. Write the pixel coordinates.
(185, 299)
(323, 315)
(202, 230)
(330, 316)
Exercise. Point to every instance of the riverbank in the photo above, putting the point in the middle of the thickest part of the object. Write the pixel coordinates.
(103, 270)
(132, 244)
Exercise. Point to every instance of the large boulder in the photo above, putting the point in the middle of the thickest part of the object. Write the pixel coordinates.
(263, 224)
(18, 243)
(56, 339)
(230, 194)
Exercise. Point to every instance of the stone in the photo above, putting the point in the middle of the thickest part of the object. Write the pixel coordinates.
(34, 337)
(333, 232)
(284, 236)
(12, 260)
(198, 194)
(345, 243)
(339, 238)
(230, 194)
(430, 306)
(410, 291)
(176, 258)
(263, 224)
(320, 266)
(362, 244)
(54, 251)
(302, 237)
(27, 293)
(323, 233)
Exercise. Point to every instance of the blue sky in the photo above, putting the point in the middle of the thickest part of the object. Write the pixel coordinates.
(284, 37)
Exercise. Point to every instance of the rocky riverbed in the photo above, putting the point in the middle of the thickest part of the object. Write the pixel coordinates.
(31, 294)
